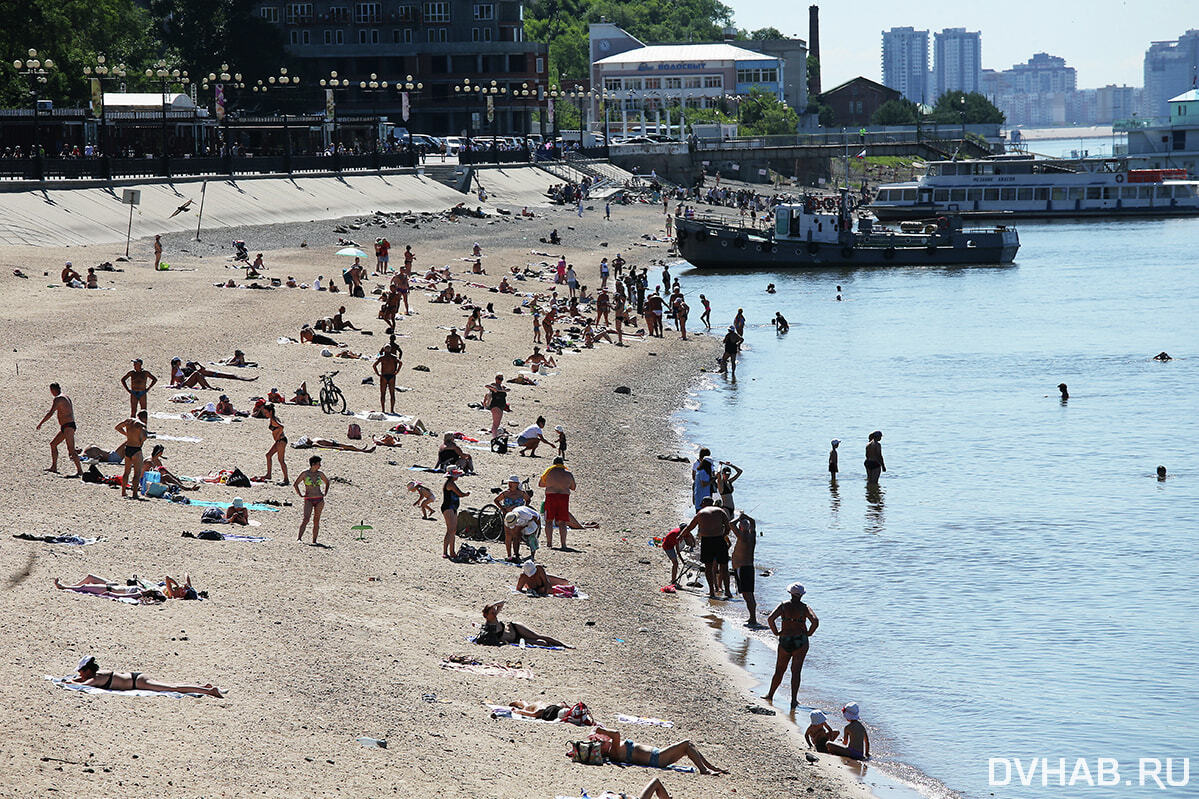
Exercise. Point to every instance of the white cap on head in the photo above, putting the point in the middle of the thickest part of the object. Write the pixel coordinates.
(86, 661)
(560, 429)
(238, 502)
(818, 717)
(513, 478)
(851, 711)
(796, 590)
(210, 407)
(529, 568)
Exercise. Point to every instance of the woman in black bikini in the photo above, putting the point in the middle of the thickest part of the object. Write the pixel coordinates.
(278, 447)
(496, 401)
(451, 497)
(496, 632)
(88, 673)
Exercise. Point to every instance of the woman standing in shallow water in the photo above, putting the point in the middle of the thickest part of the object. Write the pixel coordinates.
(874, 457)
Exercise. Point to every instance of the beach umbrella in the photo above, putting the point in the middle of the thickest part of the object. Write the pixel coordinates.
(361, 527)
(352, 252)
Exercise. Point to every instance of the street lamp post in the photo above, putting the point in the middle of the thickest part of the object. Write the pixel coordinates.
(467, 90)
(281, 81)
(99, 73)
(166, 75)
(406, 89)
(374, 85)
(554, 95)
(38, 72)
(220, 84)
(331, 84)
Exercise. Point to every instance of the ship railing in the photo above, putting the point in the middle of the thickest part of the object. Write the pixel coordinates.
(733, 221)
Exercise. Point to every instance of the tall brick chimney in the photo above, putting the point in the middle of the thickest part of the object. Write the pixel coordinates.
(814, 49)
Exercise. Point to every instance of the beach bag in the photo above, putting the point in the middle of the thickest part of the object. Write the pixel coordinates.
(580, 715)
(212, 516)
(354, 432)
(587, 752)
(499, 444)
(468, 523)
(93, 475)
(568, 591)
(210, 535)
(238, 479)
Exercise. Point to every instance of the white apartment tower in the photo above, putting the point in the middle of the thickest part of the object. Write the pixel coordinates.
(957, 61)
(905, 63)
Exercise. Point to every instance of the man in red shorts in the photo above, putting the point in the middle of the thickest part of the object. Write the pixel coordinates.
(558, 482)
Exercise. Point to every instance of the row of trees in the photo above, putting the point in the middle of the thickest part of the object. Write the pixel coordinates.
(951, 108)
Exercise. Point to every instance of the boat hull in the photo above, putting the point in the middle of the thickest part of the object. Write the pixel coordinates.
(724, 248)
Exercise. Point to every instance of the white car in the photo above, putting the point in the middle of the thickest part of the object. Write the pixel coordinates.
(453, 144)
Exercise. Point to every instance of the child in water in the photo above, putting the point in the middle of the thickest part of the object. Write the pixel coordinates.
(856, 741)
(832, 457)
(819, 733)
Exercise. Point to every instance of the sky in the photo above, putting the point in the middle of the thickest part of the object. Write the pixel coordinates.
(1105, 40)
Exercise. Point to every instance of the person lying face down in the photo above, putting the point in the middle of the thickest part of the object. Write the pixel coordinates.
(88, 673)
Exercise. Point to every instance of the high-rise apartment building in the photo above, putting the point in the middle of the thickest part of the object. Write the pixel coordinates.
(905, 63)
(957, 61)
(1170, 69)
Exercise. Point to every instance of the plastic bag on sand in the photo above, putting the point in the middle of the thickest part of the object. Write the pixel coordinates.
(283, 340)
(328, 353)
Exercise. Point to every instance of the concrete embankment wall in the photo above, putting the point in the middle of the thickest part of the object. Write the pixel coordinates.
(86, 214)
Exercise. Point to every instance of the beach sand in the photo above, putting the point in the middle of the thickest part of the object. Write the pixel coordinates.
(313, 652)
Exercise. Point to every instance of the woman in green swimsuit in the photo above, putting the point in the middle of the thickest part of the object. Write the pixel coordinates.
(316, 486)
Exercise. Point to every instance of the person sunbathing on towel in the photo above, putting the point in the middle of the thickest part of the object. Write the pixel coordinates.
(237, 513)
(553, 711)
(182, 377)
(302, 397)
(535, 581)
(154, 463)
(538, 359)
(619, 749)
(88, 673)
(132, 589)
(208, 413)
(496, 632)
(328, 443)
(310, 336)
(196, 367)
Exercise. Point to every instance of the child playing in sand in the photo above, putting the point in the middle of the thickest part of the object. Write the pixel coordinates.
(424, 498)
(857, 742)
(819, 733)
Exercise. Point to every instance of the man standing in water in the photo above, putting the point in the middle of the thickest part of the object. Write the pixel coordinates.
(732, 345)
(746, 530)
(558, 482)
(874, 457)
(66, 429)
(713, 525)
(798, 624)
(138, 382)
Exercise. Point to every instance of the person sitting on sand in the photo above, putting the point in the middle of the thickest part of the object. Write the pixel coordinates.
(310, 336)
(535, 581)
(454, 342)
(496, 632)
(505, 287)
(475, 324)
(424, 499)
(477, 268)
(237, 513)
(819, 734)
(93, 281)
(88, 673)
(338, 322)
(238, 358)
(538, 359)
(446, 295)
(182, 378)
(69, 275)
(291, 282)
(450, 455)
(302, 397)
(618, 749)
(856, 741)
(154, 463)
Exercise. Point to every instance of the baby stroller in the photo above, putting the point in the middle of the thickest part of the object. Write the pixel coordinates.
(242, 253)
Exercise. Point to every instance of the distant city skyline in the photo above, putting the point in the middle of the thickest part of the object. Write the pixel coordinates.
(1105, 40)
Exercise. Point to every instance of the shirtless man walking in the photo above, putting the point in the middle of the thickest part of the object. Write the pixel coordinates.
(713, 525)
(746, 530)
(62, 406)
(386, 366)
(134, 431)
(558, 482)
(798, 623)
(138, 382)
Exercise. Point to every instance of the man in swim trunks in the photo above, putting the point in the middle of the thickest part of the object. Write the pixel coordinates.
(455, 343)
(62, 406)
(138, 382)
(316, 487)
(386, 366)
(558, 482)
(654, 305)
(712, 524)
(732, 346)
(400, 286)
(798, 623)
(135, 433)
(746, 529)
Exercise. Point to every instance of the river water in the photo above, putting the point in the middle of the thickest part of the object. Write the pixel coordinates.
(1020, 586)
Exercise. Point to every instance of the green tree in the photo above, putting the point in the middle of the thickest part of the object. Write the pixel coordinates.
(896, 112)
(761, 34)
(763, 114)
(825, 114)
(203, 34)
(71, 33)
(973, 108)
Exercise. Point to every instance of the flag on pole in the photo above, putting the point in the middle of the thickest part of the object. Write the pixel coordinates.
(861, 154)
(330, 105)
(404, 105)
(97, 97)
(490, 108)
(219, 97)
(549, 110)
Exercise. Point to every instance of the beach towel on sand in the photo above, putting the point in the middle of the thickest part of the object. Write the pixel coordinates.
(627, 719)
(471, 638)
(69, 540)
(187, 417)
(577, 594)
(210, 503)
(488, 669)
(65, 682)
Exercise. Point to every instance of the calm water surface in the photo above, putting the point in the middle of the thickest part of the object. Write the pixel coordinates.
(1020, 586)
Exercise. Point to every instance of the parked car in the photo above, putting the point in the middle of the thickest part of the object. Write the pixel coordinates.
(453, 144)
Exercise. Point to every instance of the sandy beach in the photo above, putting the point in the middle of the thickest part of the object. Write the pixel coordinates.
(318, 646)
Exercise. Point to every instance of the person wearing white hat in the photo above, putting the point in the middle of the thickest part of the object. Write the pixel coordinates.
(521, 522)
(237, 513)
(856, 741)
(88, 673)
(798, 623)
(535, 581)
(561, 431)
(819, 733)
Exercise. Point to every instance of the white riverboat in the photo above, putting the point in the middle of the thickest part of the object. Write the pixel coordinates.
(1020, 186)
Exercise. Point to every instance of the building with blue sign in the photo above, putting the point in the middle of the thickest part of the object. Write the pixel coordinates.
(647, 84)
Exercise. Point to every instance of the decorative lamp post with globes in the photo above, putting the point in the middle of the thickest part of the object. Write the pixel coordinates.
(331, 85)
(273, 84)
(374, 86)
(406, 90)
(38, 72)
(166, 76)
(99, 73)
(467, 90)
(221, 83)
